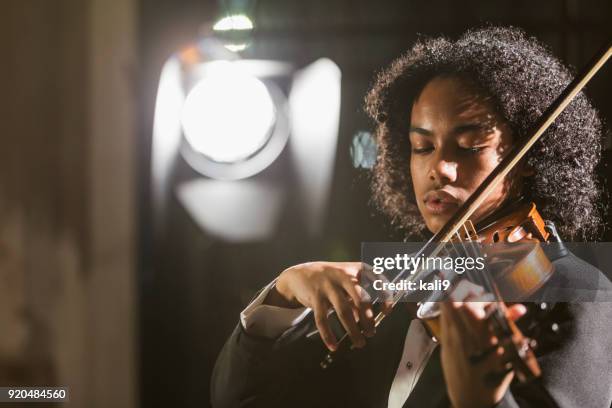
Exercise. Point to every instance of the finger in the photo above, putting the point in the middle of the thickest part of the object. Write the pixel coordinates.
(366, 313)
(352, 269)
(344, 311)
(470, 321)
(361, 300)
(320, 308)
(369, 327)
(476, 317)
(479, 305)
(466, 289)
(471, 317)
(357, 294)
(484, 297)
(366, 273)
(475, 310)
(449, 310)
(384, 297)
(450, 321)
(516, 311)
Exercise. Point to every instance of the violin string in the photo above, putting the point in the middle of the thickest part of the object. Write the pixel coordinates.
(485, 279)
(491, 287)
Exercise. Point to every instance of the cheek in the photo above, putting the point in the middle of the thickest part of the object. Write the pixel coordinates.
(477, 170)
(416, 170)
(483, 167)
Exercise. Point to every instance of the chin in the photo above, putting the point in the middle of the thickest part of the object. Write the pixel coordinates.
(434, 225)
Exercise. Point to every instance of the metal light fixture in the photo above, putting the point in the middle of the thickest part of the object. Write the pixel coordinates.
(230, 119)
(235, 27)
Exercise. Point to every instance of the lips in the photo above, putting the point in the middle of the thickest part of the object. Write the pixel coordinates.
(440, 201)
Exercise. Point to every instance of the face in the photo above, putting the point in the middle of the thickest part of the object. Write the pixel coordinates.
(457, 139)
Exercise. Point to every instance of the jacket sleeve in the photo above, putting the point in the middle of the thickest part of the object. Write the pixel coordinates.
(254, 371)
(578, 374)
(267, 321)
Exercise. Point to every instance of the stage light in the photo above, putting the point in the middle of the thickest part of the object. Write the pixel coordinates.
(230, 120)
(236, 22)
(234, 31)
(228, 116)
(234, 119)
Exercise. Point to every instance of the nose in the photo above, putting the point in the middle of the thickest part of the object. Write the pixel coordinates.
(443, 169)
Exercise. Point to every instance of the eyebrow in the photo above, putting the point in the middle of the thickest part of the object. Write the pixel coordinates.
(421, 131)
(468, 127)
(464, 128)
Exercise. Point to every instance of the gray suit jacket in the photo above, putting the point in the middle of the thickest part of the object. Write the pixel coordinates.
(285, 372)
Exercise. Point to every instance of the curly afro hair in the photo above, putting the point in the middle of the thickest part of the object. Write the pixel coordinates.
(522, 78)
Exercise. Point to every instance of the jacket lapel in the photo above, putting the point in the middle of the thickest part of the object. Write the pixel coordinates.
(430, 390)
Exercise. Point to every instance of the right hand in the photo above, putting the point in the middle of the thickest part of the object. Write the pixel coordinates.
(322, 286)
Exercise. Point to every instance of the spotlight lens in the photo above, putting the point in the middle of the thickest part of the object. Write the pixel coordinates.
(228, 117)
(234, 22)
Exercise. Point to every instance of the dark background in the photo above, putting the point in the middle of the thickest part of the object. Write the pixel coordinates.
(192, 287)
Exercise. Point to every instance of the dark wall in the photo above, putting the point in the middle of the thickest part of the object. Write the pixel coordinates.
(193, 287)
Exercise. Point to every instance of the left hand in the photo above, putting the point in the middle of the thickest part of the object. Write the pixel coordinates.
(464, 332)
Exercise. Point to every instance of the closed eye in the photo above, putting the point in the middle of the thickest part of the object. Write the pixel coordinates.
(422, 150)
(472, 149)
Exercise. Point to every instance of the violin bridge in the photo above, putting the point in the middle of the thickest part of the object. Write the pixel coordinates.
(467, 232)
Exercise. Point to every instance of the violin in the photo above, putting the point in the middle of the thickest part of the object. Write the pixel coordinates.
(528, 271)
(531, 268)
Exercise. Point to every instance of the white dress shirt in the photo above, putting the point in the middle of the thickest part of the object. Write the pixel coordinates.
(271, 321)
